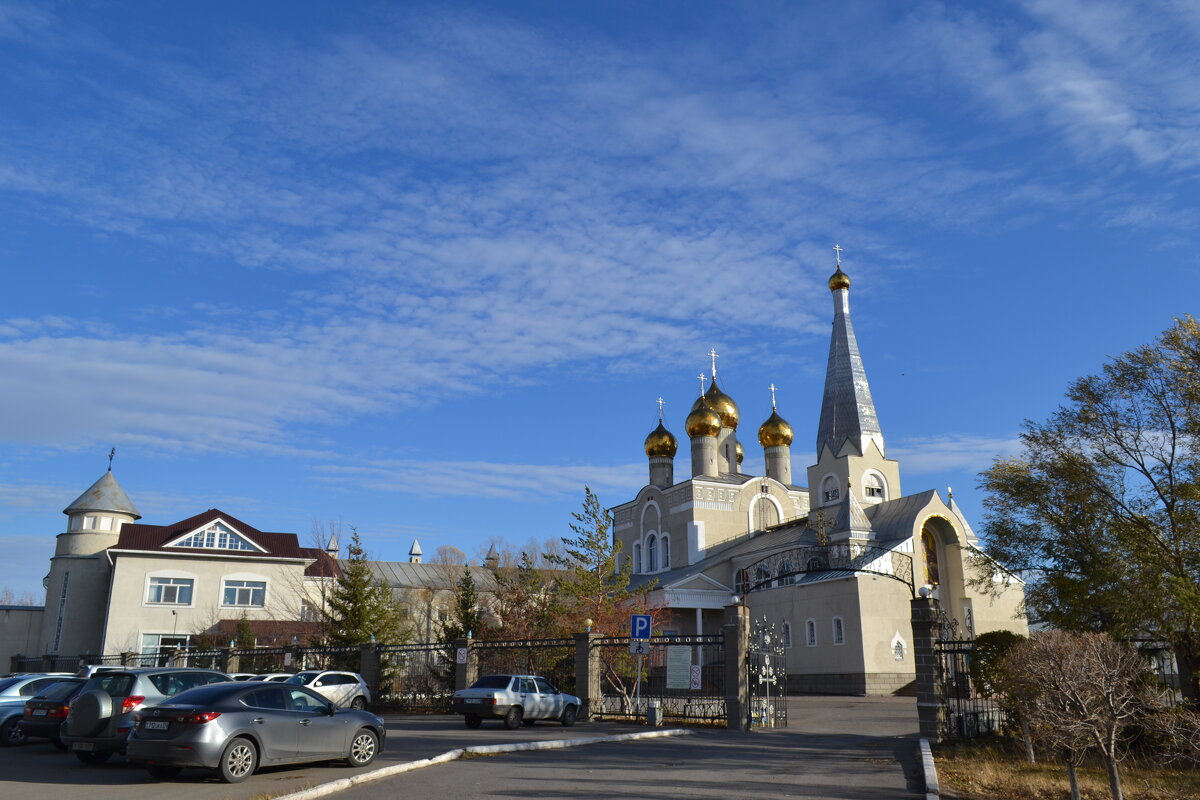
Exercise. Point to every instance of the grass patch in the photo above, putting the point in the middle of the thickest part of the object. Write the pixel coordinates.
(986, 769)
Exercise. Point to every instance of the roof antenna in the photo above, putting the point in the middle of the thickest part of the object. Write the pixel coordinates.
(111, 453)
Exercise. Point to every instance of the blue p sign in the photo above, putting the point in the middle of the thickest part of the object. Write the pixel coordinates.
(639, 626)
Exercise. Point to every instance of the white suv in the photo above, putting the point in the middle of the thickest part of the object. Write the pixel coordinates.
(347, 689)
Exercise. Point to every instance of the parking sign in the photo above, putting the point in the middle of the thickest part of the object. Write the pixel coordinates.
(639, 626)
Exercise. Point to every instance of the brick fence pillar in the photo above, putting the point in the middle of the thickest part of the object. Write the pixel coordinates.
(230, 660)
(466, 665)
(587, 674)
(926, 630)
(737, 683)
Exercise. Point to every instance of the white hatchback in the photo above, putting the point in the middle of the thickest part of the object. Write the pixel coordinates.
(347, 689)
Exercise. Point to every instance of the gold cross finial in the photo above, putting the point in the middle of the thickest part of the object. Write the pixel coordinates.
(837, 249)
(703, 378)
(661, 403)
(712, 353)
(772, 387)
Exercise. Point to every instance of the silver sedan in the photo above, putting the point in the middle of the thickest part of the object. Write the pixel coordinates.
(516, 699)
(234, 728)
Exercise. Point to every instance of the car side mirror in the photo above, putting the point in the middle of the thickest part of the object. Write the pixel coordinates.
(331, 709)
(319, 683)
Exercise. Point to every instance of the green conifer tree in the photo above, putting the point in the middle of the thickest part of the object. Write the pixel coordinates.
(361, 608)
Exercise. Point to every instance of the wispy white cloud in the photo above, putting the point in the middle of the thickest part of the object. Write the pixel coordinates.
(939, 454)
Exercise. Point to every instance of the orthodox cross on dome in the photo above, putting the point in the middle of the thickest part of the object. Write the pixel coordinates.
(712, 353)
(661, 403)
(703, 378)
(772, 388)
(111, 453)
(837, 250)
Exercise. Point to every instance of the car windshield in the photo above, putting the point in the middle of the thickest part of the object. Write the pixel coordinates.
(303, 678)
(206, 695)
(62, 690)
(492, 682)
(114, 684)
(7, 682)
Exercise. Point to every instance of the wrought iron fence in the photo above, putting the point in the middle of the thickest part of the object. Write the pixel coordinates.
(683, 676)
(967, 713)
(261, 660)
(416, 678)
(766, 672)
(553, 659)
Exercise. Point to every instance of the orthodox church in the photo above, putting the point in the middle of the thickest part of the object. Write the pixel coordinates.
(832, 566)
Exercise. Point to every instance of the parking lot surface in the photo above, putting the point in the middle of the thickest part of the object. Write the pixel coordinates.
(834, 747)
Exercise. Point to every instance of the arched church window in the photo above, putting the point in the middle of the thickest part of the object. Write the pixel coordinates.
(762, 577)
(816, 564)
(873, 487)
(665, 546)
(830, 491)
(929, 548)
(741, 579)
(785, 573)
(787, 634)
(652, 553)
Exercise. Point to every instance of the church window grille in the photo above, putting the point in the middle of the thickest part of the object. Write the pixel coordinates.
(170, 591)
(216, 537)
(249, 594)
(839, 631)
(810, 632)
(652, 553)
(762, 577)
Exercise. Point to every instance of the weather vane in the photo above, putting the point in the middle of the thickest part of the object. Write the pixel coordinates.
(772, 387)
(111, 453)
(837, 249)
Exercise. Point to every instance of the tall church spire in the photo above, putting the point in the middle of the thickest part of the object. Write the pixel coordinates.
(847, 410)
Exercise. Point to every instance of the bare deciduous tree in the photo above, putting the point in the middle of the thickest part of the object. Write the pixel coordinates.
(1081, 692)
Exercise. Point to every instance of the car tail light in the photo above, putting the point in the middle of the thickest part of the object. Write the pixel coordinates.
(59, 712)
(28, 711)
(197, 718)
(132, 702)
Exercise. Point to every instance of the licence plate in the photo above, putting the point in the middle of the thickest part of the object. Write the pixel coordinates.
(156, 724)
(39, 712)
(471, 700)
(83, 746)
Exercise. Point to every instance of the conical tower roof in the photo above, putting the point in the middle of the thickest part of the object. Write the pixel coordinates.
(103, 495)
(847, 410)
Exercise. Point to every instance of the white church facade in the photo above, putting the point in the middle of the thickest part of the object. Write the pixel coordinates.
(832, 566)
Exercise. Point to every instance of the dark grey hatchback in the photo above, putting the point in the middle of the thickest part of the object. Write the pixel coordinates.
(235, 728)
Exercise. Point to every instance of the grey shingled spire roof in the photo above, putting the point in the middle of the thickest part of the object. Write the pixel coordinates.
(104, 495)
(847, 410)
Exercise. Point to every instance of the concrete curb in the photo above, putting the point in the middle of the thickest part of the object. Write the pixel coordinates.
(932, 789)
(326, 789)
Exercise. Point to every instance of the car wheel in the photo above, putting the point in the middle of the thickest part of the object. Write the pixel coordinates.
(94, 757)
(363, 748)
(568, 716)
(238, 761)
(163, 772)
(473, 721)
(512, 720)
(11, 733)
(359, 704)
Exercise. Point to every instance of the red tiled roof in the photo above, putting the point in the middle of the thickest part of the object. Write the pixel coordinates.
(136, 536)
(324, 565)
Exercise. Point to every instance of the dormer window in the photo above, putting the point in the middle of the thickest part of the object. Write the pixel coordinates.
(216, 537)
(830, 490)
(873, 487)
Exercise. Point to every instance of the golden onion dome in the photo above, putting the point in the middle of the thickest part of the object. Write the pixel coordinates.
(661, 442)
(839, 280)
(741, 453)
(775, 432)
(723, 404)
(703, 421)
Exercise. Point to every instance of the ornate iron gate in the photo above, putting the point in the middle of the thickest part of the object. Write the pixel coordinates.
(766, 668)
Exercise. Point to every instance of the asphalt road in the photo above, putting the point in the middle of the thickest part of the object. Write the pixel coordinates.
(834, 747)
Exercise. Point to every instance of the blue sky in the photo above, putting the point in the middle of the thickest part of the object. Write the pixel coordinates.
(424, 268)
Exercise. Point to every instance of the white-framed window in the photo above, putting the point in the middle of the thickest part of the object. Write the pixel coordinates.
(810, 632)
(787, 634)
(169, 591)
(839, 631)
(785, 574)
(216, 537)
(666, 552)
(89, 523)
(652, 553)
(248, 594)
(874, 487)
(106, 523)
(308, 612)
(163, 644)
